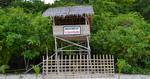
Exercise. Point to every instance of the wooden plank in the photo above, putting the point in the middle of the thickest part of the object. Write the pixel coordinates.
(77, 63)
(43, 65)
(110, 65)
(100, 66)
(69, 63)
(51, 63)
(113, 64)
(87, 56)
(73, 62)
(107, 66)
(47, 65)
(61, 63)
(89, 49)
(65, 64)
(94, 64)
(80, 62)
(58, 64)
(84, 61)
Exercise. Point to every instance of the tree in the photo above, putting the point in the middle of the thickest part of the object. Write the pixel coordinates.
(127, 37)
(143, 7)
(23, 34)
(4, 3)
(31, 7)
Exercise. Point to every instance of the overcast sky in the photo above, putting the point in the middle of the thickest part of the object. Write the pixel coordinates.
(48, 1)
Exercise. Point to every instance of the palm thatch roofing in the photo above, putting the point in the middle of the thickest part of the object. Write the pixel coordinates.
(71, 10)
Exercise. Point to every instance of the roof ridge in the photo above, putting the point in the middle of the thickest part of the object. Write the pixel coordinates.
(69, 10)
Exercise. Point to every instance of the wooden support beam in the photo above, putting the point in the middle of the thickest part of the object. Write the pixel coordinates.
(89, 49)
(64, 47)
(56, 56)
(72, 43)
(43, 71)
(67, 46)
(88, 70)
(77, 62)
(72, 50)
(69, 63)
(65, 63)
(94, 68)
(56, 52)
(47, 65)
(53, 21)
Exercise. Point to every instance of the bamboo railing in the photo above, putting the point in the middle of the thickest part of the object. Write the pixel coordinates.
(79, 65)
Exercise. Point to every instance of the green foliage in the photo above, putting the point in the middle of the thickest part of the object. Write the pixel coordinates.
(113, 6)
(143, 7)
(36, 69)
(124, 2)
(23, 34)
(63, 3)
(3, 68)
(31, 6)
(122, 65)
(5, 3)
(126, 36)
(30, 54)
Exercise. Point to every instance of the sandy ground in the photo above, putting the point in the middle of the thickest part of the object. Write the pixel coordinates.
(32, 76)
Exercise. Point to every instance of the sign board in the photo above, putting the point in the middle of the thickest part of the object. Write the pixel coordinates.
(72, 30)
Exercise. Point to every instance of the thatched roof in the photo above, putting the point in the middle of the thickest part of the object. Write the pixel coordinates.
(72, 10)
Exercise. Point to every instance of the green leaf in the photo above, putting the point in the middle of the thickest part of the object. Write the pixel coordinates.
(3, 68)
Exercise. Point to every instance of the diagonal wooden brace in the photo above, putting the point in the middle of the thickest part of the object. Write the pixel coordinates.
(72, 43)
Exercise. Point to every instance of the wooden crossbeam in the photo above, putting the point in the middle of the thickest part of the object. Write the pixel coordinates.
(66, 47)
(72, 43)
(72, 50)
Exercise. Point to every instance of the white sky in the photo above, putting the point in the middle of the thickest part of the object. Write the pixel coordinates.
(48, 1)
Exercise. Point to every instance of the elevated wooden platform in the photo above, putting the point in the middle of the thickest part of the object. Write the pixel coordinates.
(75, 38)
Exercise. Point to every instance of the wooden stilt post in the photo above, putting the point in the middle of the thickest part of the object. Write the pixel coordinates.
(69, 63)
(56, 56)
(43, 71)
(46, 64)
(89, 49)
(89, 55)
